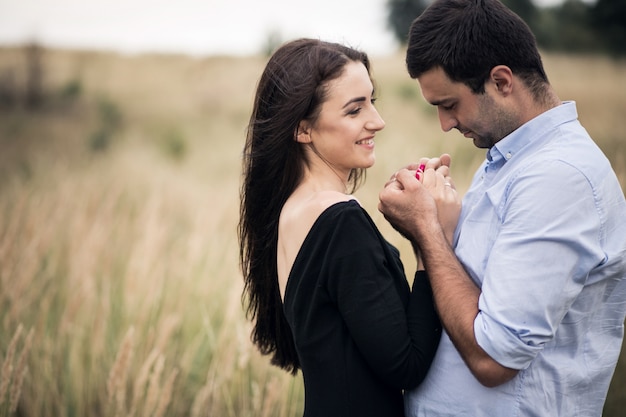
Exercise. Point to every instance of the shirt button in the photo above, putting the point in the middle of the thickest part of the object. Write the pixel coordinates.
(508, 155)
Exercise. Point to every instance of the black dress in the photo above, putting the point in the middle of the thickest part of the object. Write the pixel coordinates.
(361, 335)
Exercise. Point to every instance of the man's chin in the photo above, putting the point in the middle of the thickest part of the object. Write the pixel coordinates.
(481, 143)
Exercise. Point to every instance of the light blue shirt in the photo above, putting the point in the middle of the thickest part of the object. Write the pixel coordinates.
(543, 234)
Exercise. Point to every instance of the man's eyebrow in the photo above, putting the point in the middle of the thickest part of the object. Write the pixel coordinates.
(441, 102)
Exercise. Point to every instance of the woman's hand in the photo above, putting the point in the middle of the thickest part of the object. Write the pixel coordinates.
(422, 192)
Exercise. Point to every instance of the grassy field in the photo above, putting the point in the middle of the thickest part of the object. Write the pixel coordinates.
(119, 282)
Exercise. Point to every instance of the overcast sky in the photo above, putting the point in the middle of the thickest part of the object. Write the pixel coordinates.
(197, 27)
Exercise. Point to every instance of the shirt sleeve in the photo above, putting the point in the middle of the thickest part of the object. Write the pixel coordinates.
(397, 339)
(548, 242)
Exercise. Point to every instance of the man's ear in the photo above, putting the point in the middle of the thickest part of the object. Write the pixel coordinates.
(502, 77)
(303, 134)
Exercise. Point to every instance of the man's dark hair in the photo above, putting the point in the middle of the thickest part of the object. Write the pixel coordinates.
(467, 38)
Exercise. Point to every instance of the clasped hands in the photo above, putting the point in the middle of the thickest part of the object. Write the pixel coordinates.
(421, 198)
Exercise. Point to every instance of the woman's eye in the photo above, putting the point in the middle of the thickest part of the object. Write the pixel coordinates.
(355, 111)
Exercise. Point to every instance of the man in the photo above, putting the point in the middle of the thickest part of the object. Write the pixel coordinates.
(533, 295)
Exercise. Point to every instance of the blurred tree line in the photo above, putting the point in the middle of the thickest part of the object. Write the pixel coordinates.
(573, 26)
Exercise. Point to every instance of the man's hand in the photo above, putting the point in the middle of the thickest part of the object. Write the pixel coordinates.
(421, 196)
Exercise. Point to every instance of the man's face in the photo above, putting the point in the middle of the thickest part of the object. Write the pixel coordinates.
(481, 117)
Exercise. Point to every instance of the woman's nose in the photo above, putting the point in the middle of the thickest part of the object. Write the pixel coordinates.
(376, 122)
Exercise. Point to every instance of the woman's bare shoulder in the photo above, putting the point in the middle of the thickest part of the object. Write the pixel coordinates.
(305, 211)
(296, 220)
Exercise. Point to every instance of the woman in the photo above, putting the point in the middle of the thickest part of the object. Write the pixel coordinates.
(326, 291)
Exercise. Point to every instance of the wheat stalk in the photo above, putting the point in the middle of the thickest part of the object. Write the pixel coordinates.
(271, 397)
(7, 365)
(166, 394)
(139, 388)
(117, 377)
(167, 328)
(154, 387)
(20, 373)
(201, 400)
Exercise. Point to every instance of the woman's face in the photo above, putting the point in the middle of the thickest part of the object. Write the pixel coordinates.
(343, 134)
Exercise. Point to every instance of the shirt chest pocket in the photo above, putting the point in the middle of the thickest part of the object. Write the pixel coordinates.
(477, 233)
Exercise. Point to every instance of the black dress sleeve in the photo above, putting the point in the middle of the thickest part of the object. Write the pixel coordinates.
(397, 332)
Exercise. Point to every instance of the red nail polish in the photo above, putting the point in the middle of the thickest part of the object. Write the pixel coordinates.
(417, 175)
(422, 167)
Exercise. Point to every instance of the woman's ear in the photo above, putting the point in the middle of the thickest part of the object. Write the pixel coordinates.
(303, 134)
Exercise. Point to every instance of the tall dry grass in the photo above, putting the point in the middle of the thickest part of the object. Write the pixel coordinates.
(14, 369)
(123, 260)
